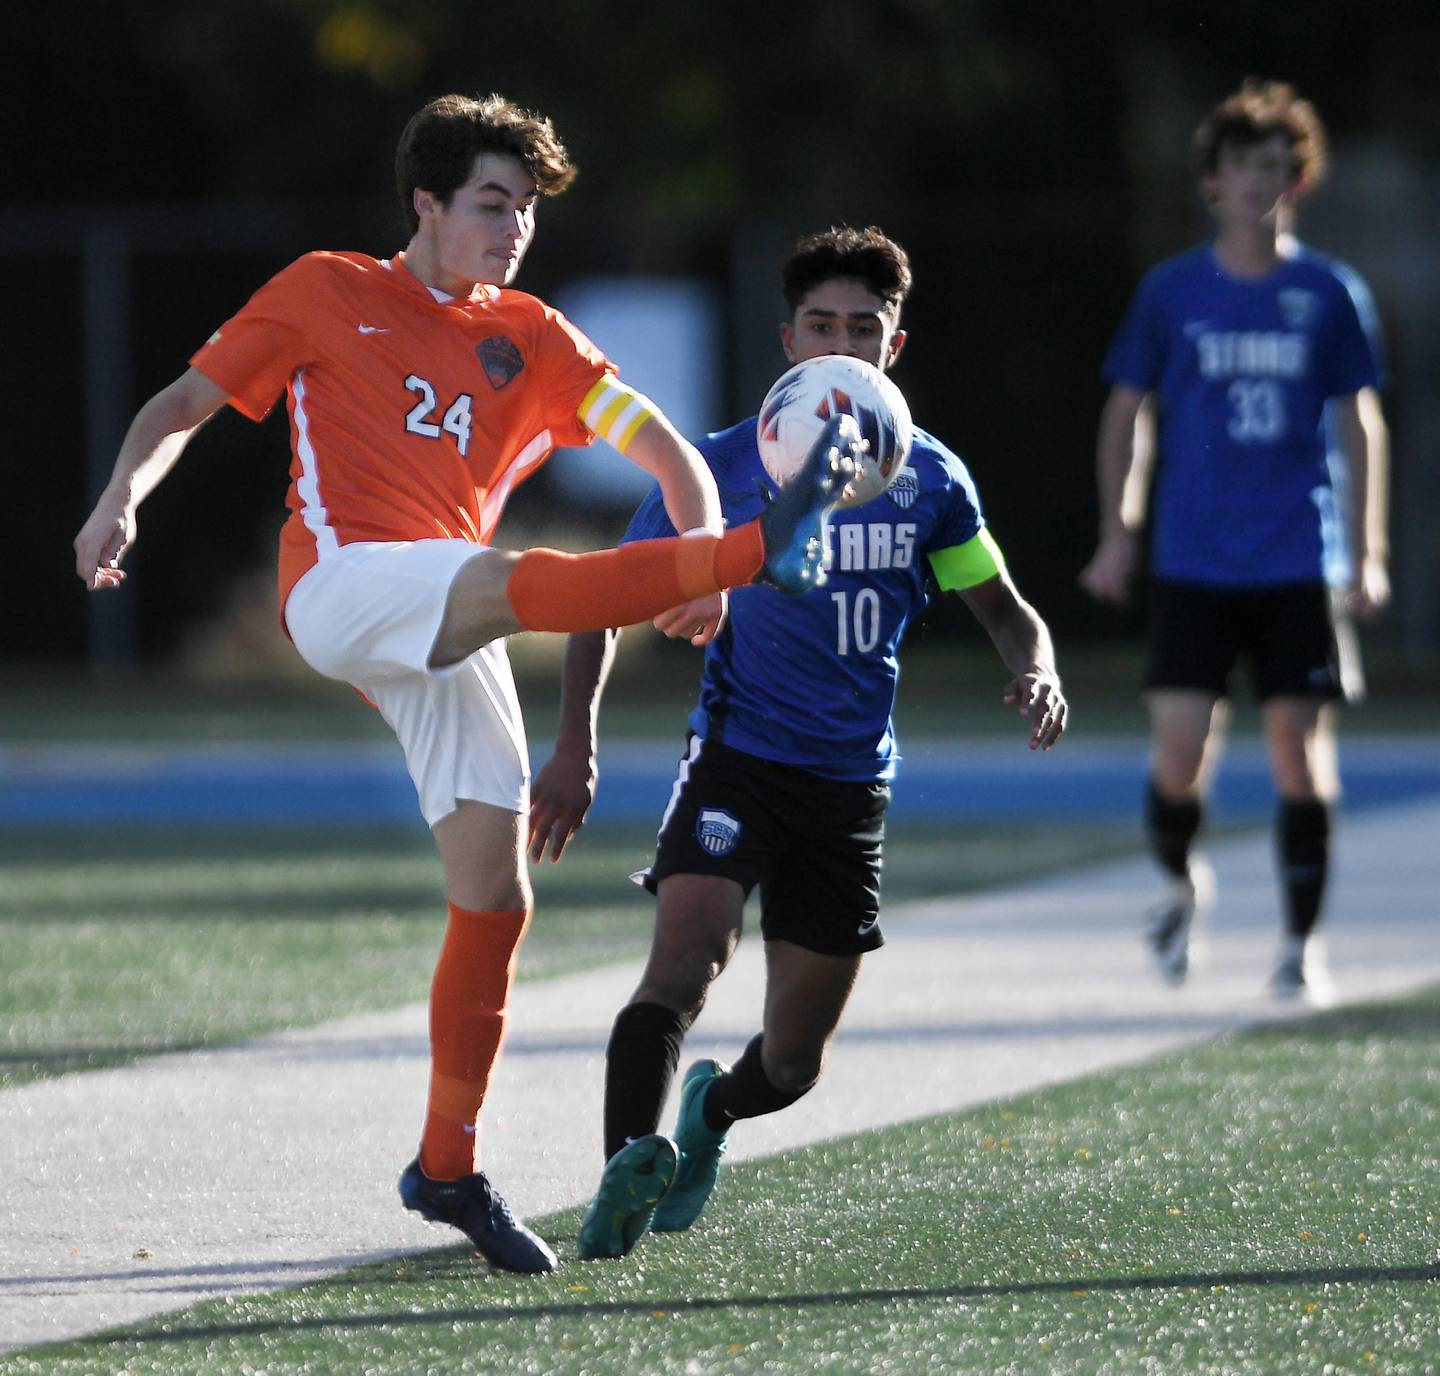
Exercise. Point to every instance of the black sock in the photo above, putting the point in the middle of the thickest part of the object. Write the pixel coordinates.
(1302, 839)
(640, 1063)
(1171, 828)
(746, 1092)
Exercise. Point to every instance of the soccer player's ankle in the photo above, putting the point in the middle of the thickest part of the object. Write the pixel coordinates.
(715, 1117)
(1171, 826)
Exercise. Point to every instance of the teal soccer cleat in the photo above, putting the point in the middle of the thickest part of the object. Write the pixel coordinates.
(633, 1182)
(701, 1148)
(795, 526)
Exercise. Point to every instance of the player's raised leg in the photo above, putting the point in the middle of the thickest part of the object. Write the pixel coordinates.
(499, 593)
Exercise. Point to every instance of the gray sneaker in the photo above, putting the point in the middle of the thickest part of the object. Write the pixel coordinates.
(1170, 934)
(1301, 973)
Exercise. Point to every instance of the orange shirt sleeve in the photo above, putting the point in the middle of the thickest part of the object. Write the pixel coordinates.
(254, 354)
(570, 365)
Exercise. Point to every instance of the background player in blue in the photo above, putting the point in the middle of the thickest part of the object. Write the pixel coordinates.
(786, 778)
(1259, 360)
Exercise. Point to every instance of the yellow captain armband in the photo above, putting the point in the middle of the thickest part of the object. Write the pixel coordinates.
(967, 565)
(614, 412)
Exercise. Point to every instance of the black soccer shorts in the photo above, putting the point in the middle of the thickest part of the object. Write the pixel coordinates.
(812, 844)
(1296, 639)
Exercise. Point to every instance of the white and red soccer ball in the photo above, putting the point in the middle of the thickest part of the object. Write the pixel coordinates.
(802, 400)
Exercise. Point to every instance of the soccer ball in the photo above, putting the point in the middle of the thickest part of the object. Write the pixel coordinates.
(811, 393)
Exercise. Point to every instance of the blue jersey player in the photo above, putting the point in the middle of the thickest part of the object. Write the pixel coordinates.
(1251, 365)
(787, 773)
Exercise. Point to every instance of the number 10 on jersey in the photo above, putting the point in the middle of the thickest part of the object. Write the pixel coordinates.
(857, 621)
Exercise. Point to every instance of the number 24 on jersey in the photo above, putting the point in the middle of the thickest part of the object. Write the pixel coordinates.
(455, 421)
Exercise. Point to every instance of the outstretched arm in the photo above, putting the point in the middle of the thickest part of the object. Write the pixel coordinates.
(1023, 640)
(564, 788)
(1124, 450)
(1365, 441)
(156, 439)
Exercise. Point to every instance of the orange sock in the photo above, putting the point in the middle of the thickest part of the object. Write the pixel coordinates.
(554, 591)
(467, 1022)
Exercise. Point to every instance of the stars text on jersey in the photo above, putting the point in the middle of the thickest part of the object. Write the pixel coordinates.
(1252, 353)
(856, 547)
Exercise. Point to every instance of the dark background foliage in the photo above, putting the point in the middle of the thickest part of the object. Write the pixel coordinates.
(1034, 158)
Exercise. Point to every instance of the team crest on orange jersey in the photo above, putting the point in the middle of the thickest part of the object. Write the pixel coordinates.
(500, 359)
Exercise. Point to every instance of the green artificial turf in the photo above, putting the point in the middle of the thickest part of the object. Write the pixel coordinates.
(1264, 1204)
(128, 942)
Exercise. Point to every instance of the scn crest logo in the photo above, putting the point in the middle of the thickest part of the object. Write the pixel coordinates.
(905, 488)
(717, 831)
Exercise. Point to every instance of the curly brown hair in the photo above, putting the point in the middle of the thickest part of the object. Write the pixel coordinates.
(439, 145)
(1258, 111)
(867, 254)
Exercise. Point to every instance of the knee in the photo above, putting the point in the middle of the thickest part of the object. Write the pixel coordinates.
(1176, 775)
(793, 1070)
(681, 982)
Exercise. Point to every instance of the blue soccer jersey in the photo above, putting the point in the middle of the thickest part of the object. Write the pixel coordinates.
(1243, 369)
(810, 679)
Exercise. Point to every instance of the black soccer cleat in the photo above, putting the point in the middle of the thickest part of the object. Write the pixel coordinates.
(795, 526)
(474, 1206)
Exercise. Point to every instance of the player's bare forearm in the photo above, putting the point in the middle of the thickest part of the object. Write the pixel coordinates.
(564, 788)
(1123, 459)
(692, 500)
(152, 446)
(1023, 642)
(1364, 441)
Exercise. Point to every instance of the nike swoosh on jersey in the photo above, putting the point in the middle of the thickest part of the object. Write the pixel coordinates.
(372, 329)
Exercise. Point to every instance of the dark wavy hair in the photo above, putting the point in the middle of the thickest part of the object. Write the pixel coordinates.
(868, 255)
(439, 145)
(1258, 111)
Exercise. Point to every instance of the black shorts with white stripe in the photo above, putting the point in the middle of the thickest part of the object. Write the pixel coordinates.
(812, 844)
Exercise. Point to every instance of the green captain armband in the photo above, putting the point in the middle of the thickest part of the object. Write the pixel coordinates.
(965, 566)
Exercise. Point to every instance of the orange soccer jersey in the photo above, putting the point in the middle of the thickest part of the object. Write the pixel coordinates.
(410, 418)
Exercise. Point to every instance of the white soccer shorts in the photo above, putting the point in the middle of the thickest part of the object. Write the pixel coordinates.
(368, 614)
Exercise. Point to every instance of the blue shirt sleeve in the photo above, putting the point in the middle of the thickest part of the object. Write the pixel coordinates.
(1137, 353)
(962, 518)
(1352, 350)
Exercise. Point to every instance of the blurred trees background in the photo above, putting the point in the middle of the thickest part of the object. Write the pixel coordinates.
(1034, 158)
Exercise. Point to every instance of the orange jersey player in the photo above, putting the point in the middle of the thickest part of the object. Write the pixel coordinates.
(413, 415)
(420, 391)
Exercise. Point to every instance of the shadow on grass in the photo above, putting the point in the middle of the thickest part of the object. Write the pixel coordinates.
(25, 1065)
(1417, 1015)
(1336, 1275)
